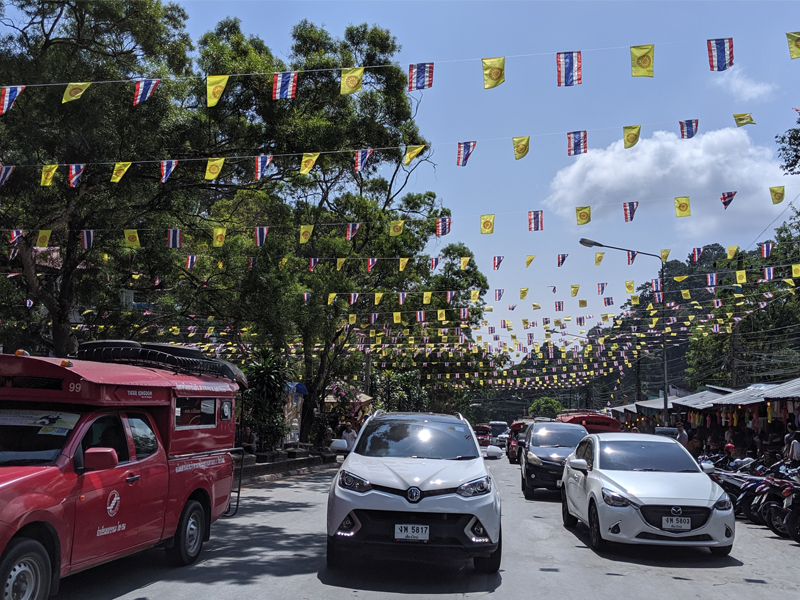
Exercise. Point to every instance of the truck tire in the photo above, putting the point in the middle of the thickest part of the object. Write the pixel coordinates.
(189, 537)
(25, 570)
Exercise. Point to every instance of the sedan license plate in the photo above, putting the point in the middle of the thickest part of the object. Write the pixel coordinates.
(413, 533)
(676, 523)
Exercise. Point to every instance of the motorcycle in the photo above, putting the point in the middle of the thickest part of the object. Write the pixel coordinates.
(755, 491)
(782, 515)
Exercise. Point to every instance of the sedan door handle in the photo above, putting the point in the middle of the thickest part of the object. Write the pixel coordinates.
(132, 478)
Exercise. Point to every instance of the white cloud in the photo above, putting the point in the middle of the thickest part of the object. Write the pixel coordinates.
(664, 166)
(735, 82)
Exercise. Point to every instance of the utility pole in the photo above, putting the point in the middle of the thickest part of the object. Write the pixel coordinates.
(734, 347)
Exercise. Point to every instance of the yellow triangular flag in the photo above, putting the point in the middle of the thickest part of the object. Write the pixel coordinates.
(795, 270)
(582, 303)
(583, 214)
(340, 263)
(523, 292)
(397, 317)
(219, 237)
(351, 319)
(308, 162)
(305, 233)
(440, 314)
(741, 276)
(732, 252)
(682, 207)
(464, 262)
(283, 262)
(573, 289)
(494, 72)
(119, 170)
(536, 306)
(686, 295)
(403, 263)
(378, 298)
(43, 239)
(629, 287)
(794, 44)
(214, 167)
(48, 171)
(351, 80)
(681, 278)
(331, 298)
(412, 152)
(215, 85)
(598, 258)
(665, 255)
(74, 91)
(132, 238)
(474, 295)
(777, 193)
(396, 228)
(426, 297)
(521, 146)
(630, 135)
(529, 259)
(634, 300)
(487, 224)
(743, 119)
(642, 60)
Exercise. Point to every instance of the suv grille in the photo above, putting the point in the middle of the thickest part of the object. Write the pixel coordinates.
(698, 514)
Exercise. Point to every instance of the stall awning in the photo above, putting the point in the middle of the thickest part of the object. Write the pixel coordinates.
(699, 401)
(652, 407)
(753, 394)
(788, 390)
(619, 411)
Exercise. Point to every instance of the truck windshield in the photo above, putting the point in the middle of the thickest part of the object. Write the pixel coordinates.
(33, 437)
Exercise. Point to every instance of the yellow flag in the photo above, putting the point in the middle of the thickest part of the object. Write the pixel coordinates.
(308, 162)
(629, 287)
(573, 289)
(74, 91)
(219, 237)
(642, 60)
(283, 262)
(630, 135)
(351, 80)
(219, 265)
(340, 263)
(582, 303)
(119, 170)
(48, 171)
(794, 44)
(215, 85)
(795, 270)
(732, 251)
(686, 295)
(214, 167)
(378, 298)
(494, 72)
(487, 224)
(411, 153)
(426, 297)
(741, 276)
(396, 228)
(397, 317)
(634, 300)
(583, 214)
(43, 239)
(474, 295)
(529, 259)
(351, 319)
(464, 262)
(682, 207)
(305, 233)
(331, 298)
(403, 263)
(777, 193)
(521, 146)
(440, 314)
(598, 258)
(536, 306)
(523, 292)
(132, 238)
(743, 119)
(665, 255)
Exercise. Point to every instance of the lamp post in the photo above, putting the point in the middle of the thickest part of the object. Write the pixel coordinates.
(592, 244)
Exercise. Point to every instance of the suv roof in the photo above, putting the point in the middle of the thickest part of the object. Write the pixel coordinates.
(415, 416)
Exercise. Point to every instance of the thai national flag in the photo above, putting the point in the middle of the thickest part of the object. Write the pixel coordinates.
(569, 68)
(371, 262)
(688, 128)
(175, 239)
(629, 209)
(373, 317)
(443, 226)
(608, 301)
(655, 285)
(449, 296)
(420, 316)
(434, 263)
(352, 229)
(14, 235)
(498, 295)
(464, 152)
(353, 298)
(711, 279)
(167, 167)
(190, 261)
(561, 259)
(727, 198)
(284, 85)
(659, 296)
(87, 238)
(5, 173)
(766, 249)
(769, 273)
(559, 307)
(312, 263)
(260, 235)
(576, 142)
(8, 96)
(720, 54)
(464, 313)
(496, 262)
(251, 262)
(306, 296)
(401, 298)
(631, 256)
(361, 159)
(262, 162)
(75, 172)
(535, 220)
(696, 252)
(144, 89)
(601, 288)
(420, 76)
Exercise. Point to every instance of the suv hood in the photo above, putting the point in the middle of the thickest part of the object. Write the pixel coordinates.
(424, 473)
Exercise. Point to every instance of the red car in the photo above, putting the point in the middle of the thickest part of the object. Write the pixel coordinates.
(484, 434)
(517, 428)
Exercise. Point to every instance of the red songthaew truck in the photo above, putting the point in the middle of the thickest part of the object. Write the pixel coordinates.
(121, 448)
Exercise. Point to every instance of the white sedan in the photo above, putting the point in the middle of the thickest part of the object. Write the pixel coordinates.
(644, 489)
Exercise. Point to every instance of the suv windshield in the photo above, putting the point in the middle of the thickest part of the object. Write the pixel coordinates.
(417, 439)
(645, 456)
(553, 438)
(33, 437)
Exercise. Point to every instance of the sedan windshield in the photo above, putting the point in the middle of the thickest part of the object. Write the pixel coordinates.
(556, 438)
(417, 439)
(645, 456)
(33, 437)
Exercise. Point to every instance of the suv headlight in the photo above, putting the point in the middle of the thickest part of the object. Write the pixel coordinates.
(533, 459)
(479, 487)
(354, 483)
(724, 502)
(615, 499)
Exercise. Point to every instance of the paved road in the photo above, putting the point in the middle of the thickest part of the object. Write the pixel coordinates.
(275, 549)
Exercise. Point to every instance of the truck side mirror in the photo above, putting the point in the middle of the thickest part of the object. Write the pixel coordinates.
(100, 459)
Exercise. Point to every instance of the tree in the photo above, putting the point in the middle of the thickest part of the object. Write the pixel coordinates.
(545, 407)
(264, 400)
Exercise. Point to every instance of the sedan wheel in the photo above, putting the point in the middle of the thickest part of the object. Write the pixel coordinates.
(566, 517)
(595, 535)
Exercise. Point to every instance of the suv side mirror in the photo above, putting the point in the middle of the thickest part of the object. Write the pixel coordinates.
(100, 459)
(520, 443)
(338, 446)
(493, 452)
(578, 464)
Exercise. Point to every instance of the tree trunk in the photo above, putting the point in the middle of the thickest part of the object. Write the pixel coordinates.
(64, 340)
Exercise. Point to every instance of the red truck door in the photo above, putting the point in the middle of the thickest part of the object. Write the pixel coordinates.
(151, 463)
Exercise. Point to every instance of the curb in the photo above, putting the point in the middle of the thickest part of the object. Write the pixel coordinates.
(276, 476)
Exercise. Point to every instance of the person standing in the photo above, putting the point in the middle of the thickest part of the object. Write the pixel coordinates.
(349, 435)
(794, 452)
(682, 436)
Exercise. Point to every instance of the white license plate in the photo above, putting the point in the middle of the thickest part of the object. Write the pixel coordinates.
(418, 533)
(676, 523)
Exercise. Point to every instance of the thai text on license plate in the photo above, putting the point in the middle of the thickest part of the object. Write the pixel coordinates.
(417, 533)
(676, 523)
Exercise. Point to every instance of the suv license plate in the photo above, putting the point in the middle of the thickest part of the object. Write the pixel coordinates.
(414, 533)
(676, 523)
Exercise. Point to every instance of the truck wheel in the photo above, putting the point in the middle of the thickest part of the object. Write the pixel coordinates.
(190, 535)
(25, 571)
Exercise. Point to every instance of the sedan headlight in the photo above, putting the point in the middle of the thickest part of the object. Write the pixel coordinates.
(723, 503)
(354, 483)
(533, 459)
(479, 487)
(615, 499)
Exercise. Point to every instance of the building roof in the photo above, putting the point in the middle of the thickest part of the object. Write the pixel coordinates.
(654, 406)
(752, 394)
(620, 410)
(790, 389)
(700, 400)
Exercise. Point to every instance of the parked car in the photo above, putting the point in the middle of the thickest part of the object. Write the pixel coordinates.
(498, 427)
(415, 487)
(516, 430)
(645, 489)
(484, 435)
(502, 439)
(547, 446)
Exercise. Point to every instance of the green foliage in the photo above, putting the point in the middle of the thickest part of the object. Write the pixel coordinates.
(264, 400)
(545, 407)
(401, 392)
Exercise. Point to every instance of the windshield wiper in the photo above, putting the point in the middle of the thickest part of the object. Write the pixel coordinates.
(648, 469)
(463, 458)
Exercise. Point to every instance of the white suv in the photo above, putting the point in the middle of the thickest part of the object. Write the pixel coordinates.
(415, 487)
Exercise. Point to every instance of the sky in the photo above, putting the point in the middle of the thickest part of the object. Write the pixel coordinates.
(721, 158)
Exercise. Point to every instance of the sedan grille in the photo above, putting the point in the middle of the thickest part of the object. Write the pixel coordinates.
(653, 513)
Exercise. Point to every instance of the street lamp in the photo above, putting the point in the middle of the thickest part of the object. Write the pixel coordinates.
(592, 244)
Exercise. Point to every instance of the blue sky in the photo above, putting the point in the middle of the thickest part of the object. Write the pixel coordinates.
(721, 158)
